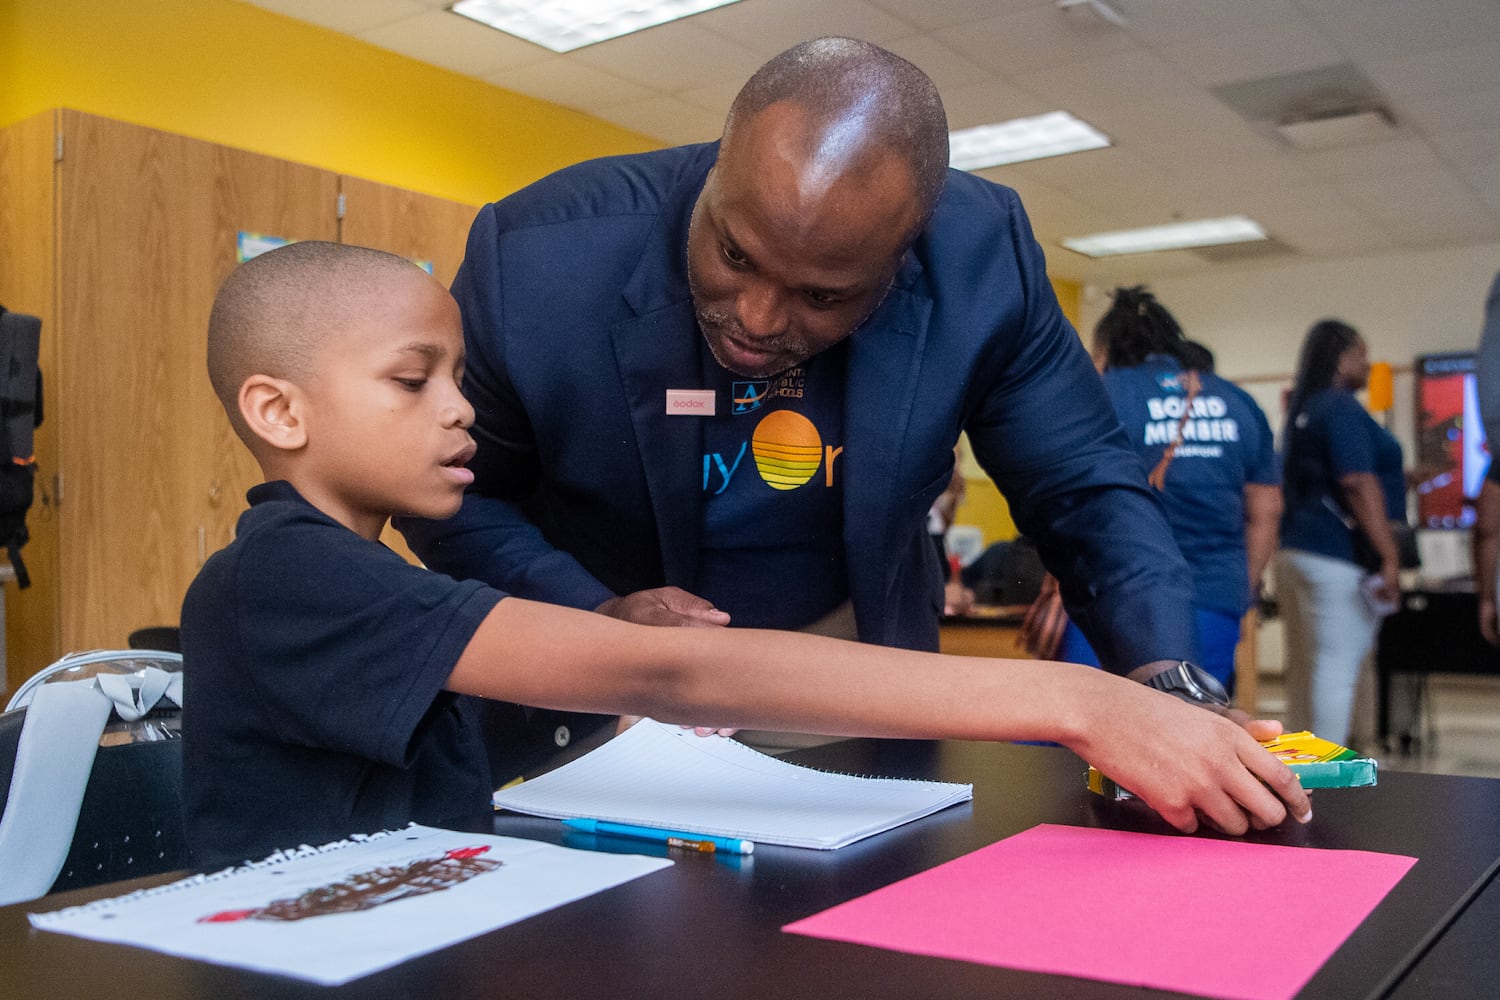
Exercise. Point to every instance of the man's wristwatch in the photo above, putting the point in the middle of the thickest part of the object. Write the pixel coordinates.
(1191, 683)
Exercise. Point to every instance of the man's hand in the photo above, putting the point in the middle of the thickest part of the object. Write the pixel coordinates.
(1042, 628)
(664, 606)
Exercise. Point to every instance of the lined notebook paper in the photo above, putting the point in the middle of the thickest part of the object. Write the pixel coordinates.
(664, 776)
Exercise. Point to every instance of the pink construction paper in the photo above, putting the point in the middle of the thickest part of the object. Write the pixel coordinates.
(1217, 918)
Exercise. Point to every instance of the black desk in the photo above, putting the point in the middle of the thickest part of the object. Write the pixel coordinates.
(710, 926)
(1433, 632)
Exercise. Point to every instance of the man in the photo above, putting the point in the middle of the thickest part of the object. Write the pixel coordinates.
(731, 376)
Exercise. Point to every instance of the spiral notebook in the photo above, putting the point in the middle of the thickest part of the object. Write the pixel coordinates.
(334, 913)
(665, 776)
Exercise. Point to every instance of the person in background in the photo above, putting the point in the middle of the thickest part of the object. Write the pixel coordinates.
(1209, 451)
(739, 397)
(958, 599)
(1337, 573)
(1486, 539)
(327, 670)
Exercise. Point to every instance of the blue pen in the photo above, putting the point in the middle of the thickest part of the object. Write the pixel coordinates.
(672, 838)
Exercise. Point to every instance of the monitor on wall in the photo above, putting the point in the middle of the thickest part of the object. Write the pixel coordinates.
(1452, 456)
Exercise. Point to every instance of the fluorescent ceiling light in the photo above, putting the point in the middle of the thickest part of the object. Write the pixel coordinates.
(1019, 139)
(565, 25)
(1174, 236)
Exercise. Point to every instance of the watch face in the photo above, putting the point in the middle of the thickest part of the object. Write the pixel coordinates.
(1189, 681)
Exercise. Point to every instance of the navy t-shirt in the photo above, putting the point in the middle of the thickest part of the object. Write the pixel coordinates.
(1333, 437)
(773, 546)
(316, 661)
(1226, 443)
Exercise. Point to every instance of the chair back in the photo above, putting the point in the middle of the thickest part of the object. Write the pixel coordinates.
(91, 762)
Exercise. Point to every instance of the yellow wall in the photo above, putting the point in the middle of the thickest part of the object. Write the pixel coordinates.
(234, 74)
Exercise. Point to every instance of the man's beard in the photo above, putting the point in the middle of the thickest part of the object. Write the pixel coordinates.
(715, 324)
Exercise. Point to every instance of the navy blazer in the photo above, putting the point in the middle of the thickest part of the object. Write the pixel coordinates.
(578, 317)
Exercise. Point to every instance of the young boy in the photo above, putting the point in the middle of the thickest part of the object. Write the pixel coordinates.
(325, 669)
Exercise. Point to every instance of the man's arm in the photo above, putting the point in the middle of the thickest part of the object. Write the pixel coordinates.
(1184, 762)
(1046, 432)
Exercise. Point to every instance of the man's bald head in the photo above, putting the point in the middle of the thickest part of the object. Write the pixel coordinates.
(863, 101)
(273, 312)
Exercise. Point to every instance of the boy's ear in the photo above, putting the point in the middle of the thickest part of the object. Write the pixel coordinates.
(272, 409)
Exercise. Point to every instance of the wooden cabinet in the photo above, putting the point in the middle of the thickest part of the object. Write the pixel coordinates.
(118, 237)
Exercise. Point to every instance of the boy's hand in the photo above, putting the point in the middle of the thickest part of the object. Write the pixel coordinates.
(1189, 764)
(664, 606)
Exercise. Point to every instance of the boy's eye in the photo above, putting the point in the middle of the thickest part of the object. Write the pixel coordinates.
(412, 384)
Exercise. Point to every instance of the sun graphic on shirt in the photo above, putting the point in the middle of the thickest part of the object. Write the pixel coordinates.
(787, 449)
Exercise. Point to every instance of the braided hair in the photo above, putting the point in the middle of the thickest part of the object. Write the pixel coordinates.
(1135, 327)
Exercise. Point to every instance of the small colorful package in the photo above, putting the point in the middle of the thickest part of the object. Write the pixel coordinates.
(1316, 762)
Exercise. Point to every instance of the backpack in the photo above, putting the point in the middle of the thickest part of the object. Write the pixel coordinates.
(20, 415)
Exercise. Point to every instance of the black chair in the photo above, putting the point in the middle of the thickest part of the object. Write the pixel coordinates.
(167, 638)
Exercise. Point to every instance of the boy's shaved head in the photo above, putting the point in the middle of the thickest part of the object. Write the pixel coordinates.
(273, 312)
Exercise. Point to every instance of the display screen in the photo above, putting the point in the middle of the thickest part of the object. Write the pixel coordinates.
(1452, 456)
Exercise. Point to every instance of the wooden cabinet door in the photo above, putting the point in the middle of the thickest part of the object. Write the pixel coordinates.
(28, 256)
(429, 230)
(152, 478)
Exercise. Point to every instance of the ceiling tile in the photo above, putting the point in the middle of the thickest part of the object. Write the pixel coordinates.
(1452, 112)
(1132, 76)
(1155, 23)
(1034, 38)
(347, 16)
(1393, 157)
(772, 26)
(445, 39)
(1463, 69)
(1258, 52)
(929, 15)
(945, 67)
(674, 120)
(1374, 29)
(989, 101)
(571, 84)
(672, 57)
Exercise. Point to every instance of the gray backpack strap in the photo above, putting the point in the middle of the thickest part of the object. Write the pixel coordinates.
(53, 761)
(54, 757)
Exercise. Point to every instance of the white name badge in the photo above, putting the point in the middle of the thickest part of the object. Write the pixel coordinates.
(690, 402)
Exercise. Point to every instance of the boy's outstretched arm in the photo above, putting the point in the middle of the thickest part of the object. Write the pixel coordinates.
(1183, 761)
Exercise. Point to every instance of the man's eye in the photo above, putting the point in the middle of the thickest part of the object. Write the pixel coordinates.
(822, 300)
(734, 257)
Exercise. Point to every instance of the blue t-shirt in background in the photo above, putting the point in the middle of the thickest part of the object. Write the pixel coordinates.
(1226, 443)
(1331, 438)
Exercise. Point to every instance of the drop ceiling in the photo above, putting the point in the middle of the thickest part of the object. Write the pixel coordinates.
(1190, 91)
